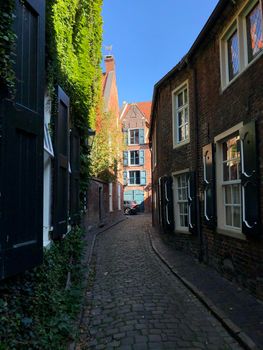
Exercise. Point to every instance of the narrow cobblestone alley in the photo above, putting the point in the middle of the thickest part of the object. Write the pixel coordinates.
(137, 303)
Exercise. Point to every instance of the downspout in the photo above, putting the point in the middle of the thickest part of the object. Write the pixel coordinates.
(197, 148)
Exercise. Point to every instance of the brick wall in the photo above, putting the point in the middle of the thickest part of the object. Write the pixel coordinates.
(240, 260)
(134, 118)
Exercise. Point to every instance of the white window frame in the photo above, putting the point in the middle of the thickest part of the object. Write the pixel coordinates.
(221, 226)
(129, 184)
(175, 93)
(129, 137)
(238, 23)
(129, 157)
(178, 227)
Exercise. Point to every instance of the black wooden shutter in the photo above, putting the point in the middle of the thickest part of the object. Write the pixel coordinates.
(209, 185)
(22, 126)
(61, 175)
(74, 176)
(249, 180)
(169, 209)
(166, 203)
(191, 193)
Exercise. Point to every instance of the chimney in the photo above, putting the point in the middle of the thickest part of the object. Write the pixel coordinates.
(109, 63)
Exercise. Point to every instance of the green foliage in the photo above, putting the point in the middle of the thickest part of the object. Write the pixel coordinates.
(36, 310)
(74, 38)
(7, 45)
(107, 148)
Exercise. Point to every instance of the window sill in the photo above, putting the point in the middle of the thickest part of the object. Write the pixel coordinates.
(232, 234)
(178, 145)
(223, 88)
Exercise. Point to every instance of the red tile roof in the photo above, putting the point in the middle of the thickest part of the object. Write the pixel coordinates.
(144, 107)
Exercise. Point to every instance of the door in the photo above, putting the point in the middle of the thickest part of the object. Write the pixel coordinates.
(135, 195)
(22, 126)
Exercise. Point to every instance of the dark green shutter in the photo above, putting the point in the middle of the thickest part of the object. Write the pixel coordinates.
(61, 176)
(21, 142)
(249, 180)
(143, 178)
(209, 185)
(141, 157)
(191, 193)
(141, 137)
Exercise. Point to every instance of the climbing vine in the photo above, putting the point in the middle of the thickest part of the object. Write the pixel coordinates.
(7, 45)
(107, 148)
(74, 39)
(37, 309)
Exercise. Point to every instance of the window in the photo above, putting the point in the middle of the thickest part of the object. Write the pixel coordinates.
(181, 116)
(231, 183)
(137, 177)
(136, 137)
(242, 42)
(228, 169)
(181, 202)
(134, 158)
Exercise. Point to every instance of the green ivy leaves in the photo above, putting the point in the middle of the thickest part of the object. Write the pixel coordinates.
(36, 311)
(7, 46)
(74, 39)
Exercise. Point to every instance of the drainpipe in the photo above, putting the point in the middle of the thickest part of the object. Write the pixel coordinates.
(197, 151)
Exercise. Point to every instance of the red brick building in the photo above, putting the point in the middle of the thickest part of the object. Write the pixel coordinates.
(206, 135)
(137, 156)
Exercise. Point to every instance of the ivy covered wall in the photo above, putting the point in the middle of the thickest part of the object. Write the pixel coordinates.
(74, 39)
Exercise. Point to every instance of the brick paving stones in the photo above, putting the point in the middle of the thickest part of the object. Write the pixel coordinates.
(137, 303)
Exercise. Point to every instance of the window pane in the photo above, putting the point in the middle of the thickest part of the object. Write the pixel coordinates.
(180, 100)
(186, 115)
(236, 194)
(185, 96)
(233, 171)
(228, 199)
(233, 53)
(136, 136)
(229, 216)
(180, 118)
(226, 171)
(184, 182)
(236, 217)
(224, 151)
(254, 32)
(181, 134)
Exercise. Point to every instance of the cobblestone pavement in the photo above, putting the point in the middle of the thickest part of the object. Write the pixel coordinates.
(137, 303)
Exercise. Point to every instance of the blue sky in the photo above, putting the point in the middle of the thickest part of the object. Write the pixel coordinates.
(148, 38)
